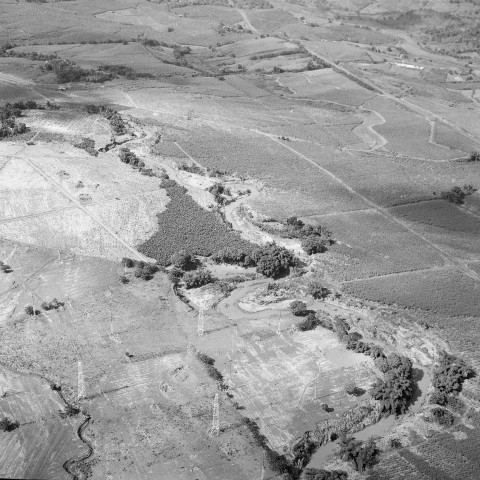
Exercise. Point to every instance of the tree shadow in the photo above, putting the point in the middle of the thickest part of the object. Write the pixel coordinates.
(417, 376)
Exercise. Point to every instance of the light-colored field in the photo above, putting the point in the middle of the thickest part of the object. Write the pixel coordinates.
(91, 206)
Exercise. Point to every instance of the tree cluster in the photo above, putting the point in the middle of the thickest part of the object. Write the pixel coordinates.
(52, 305)
(234, 256)
(220, 193)
(315, 239)
(442, 416)
(116, 121)
(273, 260)
(128, 157)
(309, 323)
(124, 71)
(457, 195)
(142, 269)
(360, 455)
(450, 374)
(395, 390)
(474, 157)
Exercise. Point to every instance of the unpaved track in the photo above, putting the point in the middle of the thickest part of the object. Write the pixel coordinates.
(383, 211)
(67, 194)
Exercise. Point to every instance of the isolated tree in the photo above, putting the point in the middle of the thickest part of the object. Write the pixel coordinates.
(29, 310)
(273, 260)
(197, 278)
(314, 244)
(317, 290)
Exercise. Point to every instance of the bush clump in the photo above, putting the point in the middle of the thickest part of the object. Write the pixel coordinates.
(128, 157)
(212, 372)
(233, 256)
(197, 278)
(69, 411)
(8, 425)
(360, 455)
(182, 260)
(273, 260)
(87, 144)
(220, 193)
(53, 305)
(442, 416)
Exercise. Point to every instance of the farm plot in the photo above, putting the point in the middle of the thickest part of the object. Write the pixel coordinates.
(277, 167)
(456, 230)
(270, 21)
(44, 441)
(344, 52)
(282, 380)
(407, 133)
(446, 136)
(376, 246)
(397, 181)
(446, 292)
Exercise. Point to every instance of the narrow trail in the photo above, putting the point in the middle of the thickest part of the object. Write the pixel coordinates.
(67, 194)
(383, 211)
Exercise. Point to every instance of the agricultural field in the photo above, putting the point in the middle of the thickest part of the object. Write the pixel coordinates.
(446, 292)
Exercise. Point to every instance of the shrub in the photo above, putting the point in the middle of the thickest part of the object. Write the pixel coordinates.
(197, 278)
(220, 193)
(442, 416)
(212, 372)
(127, 262)
(175, 275)
(182, 260)
(438, 398)
(350, 388)
(474, 157)
(29, 310)
(310, 323)
(69, 411)
(312, 244)
(298, 308)
(8, 425)
(320, 474)
(317, 290)
(450, 373)
(233, 256)
(273, 260)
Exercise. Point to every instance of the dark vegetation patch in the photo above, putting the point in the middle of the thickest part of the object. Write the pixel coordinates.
(9, 126)
(457, 195)
(115, 119)
(212, 371)
(360, 455)
(8, 425)
(184, 225)
(87, 144)
(52, 305)
(5, 268)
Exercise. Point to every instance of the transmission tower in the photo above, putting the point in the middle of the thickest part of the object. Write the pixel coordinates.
(81, 381)
(215, 428)
(201, 323)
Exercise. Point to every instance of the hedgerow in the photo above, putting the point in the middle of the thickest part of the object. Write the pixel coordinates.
(184, 225)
